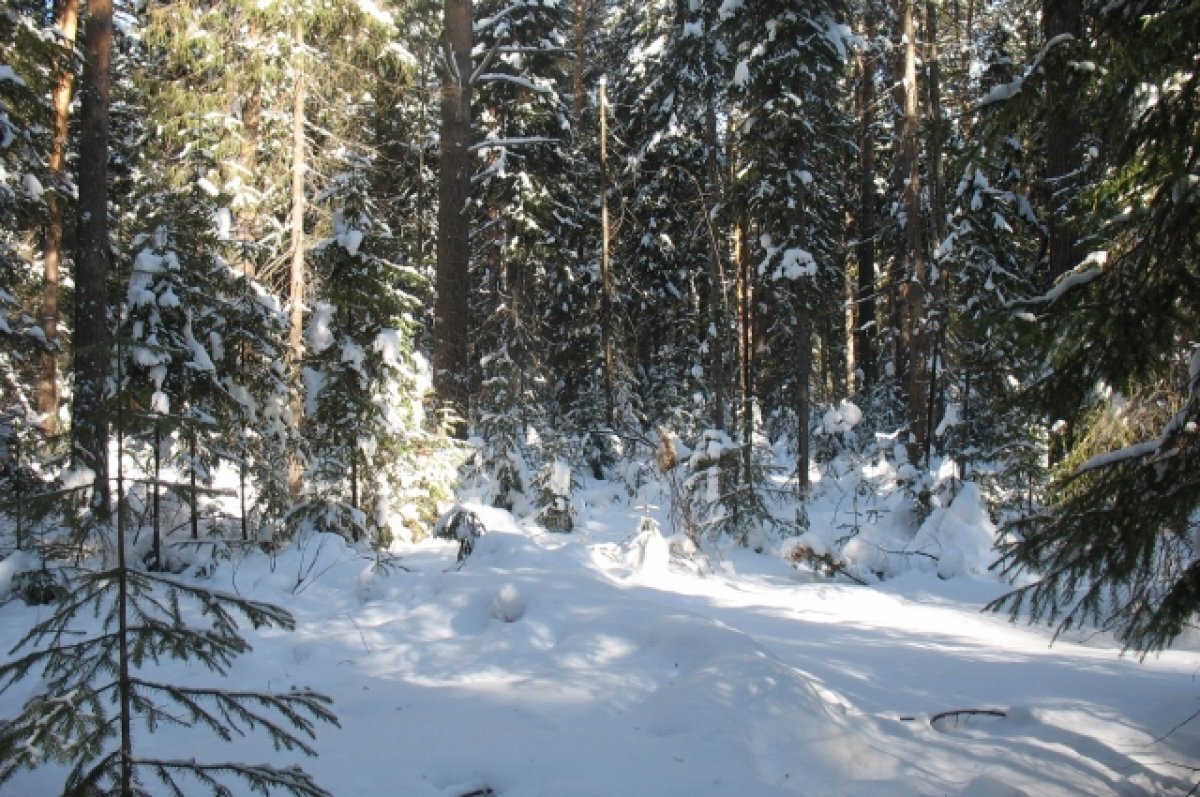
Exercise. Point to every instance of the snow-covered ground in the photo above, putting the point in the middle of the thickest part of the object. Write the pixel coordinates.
(591, 664)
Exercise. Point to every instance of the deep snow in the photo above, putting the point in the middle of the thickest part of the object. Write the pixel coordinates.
(590, 664)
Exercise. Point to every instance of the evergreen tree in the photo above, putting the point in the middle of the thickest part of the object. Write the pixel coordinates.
(788, 88)
(363, 415)
(24, 118)
(669, 93)
(97, 691)
(523, 225)
(1117, 540)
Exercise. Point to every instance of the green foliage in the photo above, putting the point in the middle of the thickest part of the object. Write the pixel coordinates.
(25, 56)
(363, 417)
(1116, 542)
(722, 501)
(91, 684)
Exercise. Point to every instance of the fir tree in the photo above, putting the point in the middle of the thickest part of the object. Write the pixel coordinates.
(97, 690)
(97, 693)
(1116, 543)
(363, 416)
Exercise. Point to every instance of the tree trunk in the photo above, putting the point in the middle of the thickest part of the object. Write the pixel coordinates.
(716, 277)
(66, 18)
(89, 430)
(451, 350)
(579, 34)
(746, 370)
(124, 670)
(913, 335)
(1063, 133)
(299, 207)
(245, 214)
(804, 367)
(865, 329)
(936, 328)
(606, 314)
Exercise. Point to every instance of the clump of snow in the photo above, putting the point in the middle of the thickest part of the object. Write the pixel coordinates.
(350, 240)
(508, 605)
(389, 344)
(77, 477)
(796, 263)
(960, 538)
(320, 327)
(7, 74)
(13, 565)
(729, 8)
(647, 551)
(741, 74)
(841, 419)
(33, 186)
(559, 482)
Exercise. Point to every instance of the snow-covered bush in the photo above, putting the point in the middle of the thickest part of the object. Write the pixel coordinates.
(553, 487)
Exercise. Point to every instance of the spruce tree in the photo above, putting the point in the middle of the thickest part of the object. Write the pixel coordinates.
(787, 87)
(97, 693)
(24, 184)
(1117, 541)
(364, 381)
(522, 225)
(668, 90)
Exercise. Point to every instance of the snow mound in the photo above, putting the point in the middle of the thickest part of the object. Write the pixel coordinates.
(960, 539)
(647, 551)
(726, 692)
(509, 604)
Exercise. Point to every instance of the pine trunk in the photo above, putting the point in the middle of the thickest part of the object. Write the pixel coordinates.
(804, 367)
(91, 341)
(298, 207)
(913, 335)
(66, 18)
(716, 277)
(451, 350)
(606, 314)
(936, 329)
(865, 329)
(297, 274)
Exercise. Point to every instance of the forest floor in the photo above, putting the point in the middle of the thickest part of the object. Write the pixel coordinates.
(596, 664)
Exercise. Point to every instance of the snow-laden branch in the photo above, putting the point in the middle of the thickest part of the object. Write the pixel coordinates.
(1110, 458)
(504, 143)
(525, 83)
(1088, 270)
(1006, 91)
(1182, 423)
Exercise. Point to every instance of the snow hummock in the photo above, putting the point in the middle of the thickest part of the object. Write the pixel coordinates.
(741, 74)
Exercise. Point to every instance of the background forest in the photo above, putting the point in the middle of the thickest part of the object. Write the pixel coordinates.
(318, 264)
